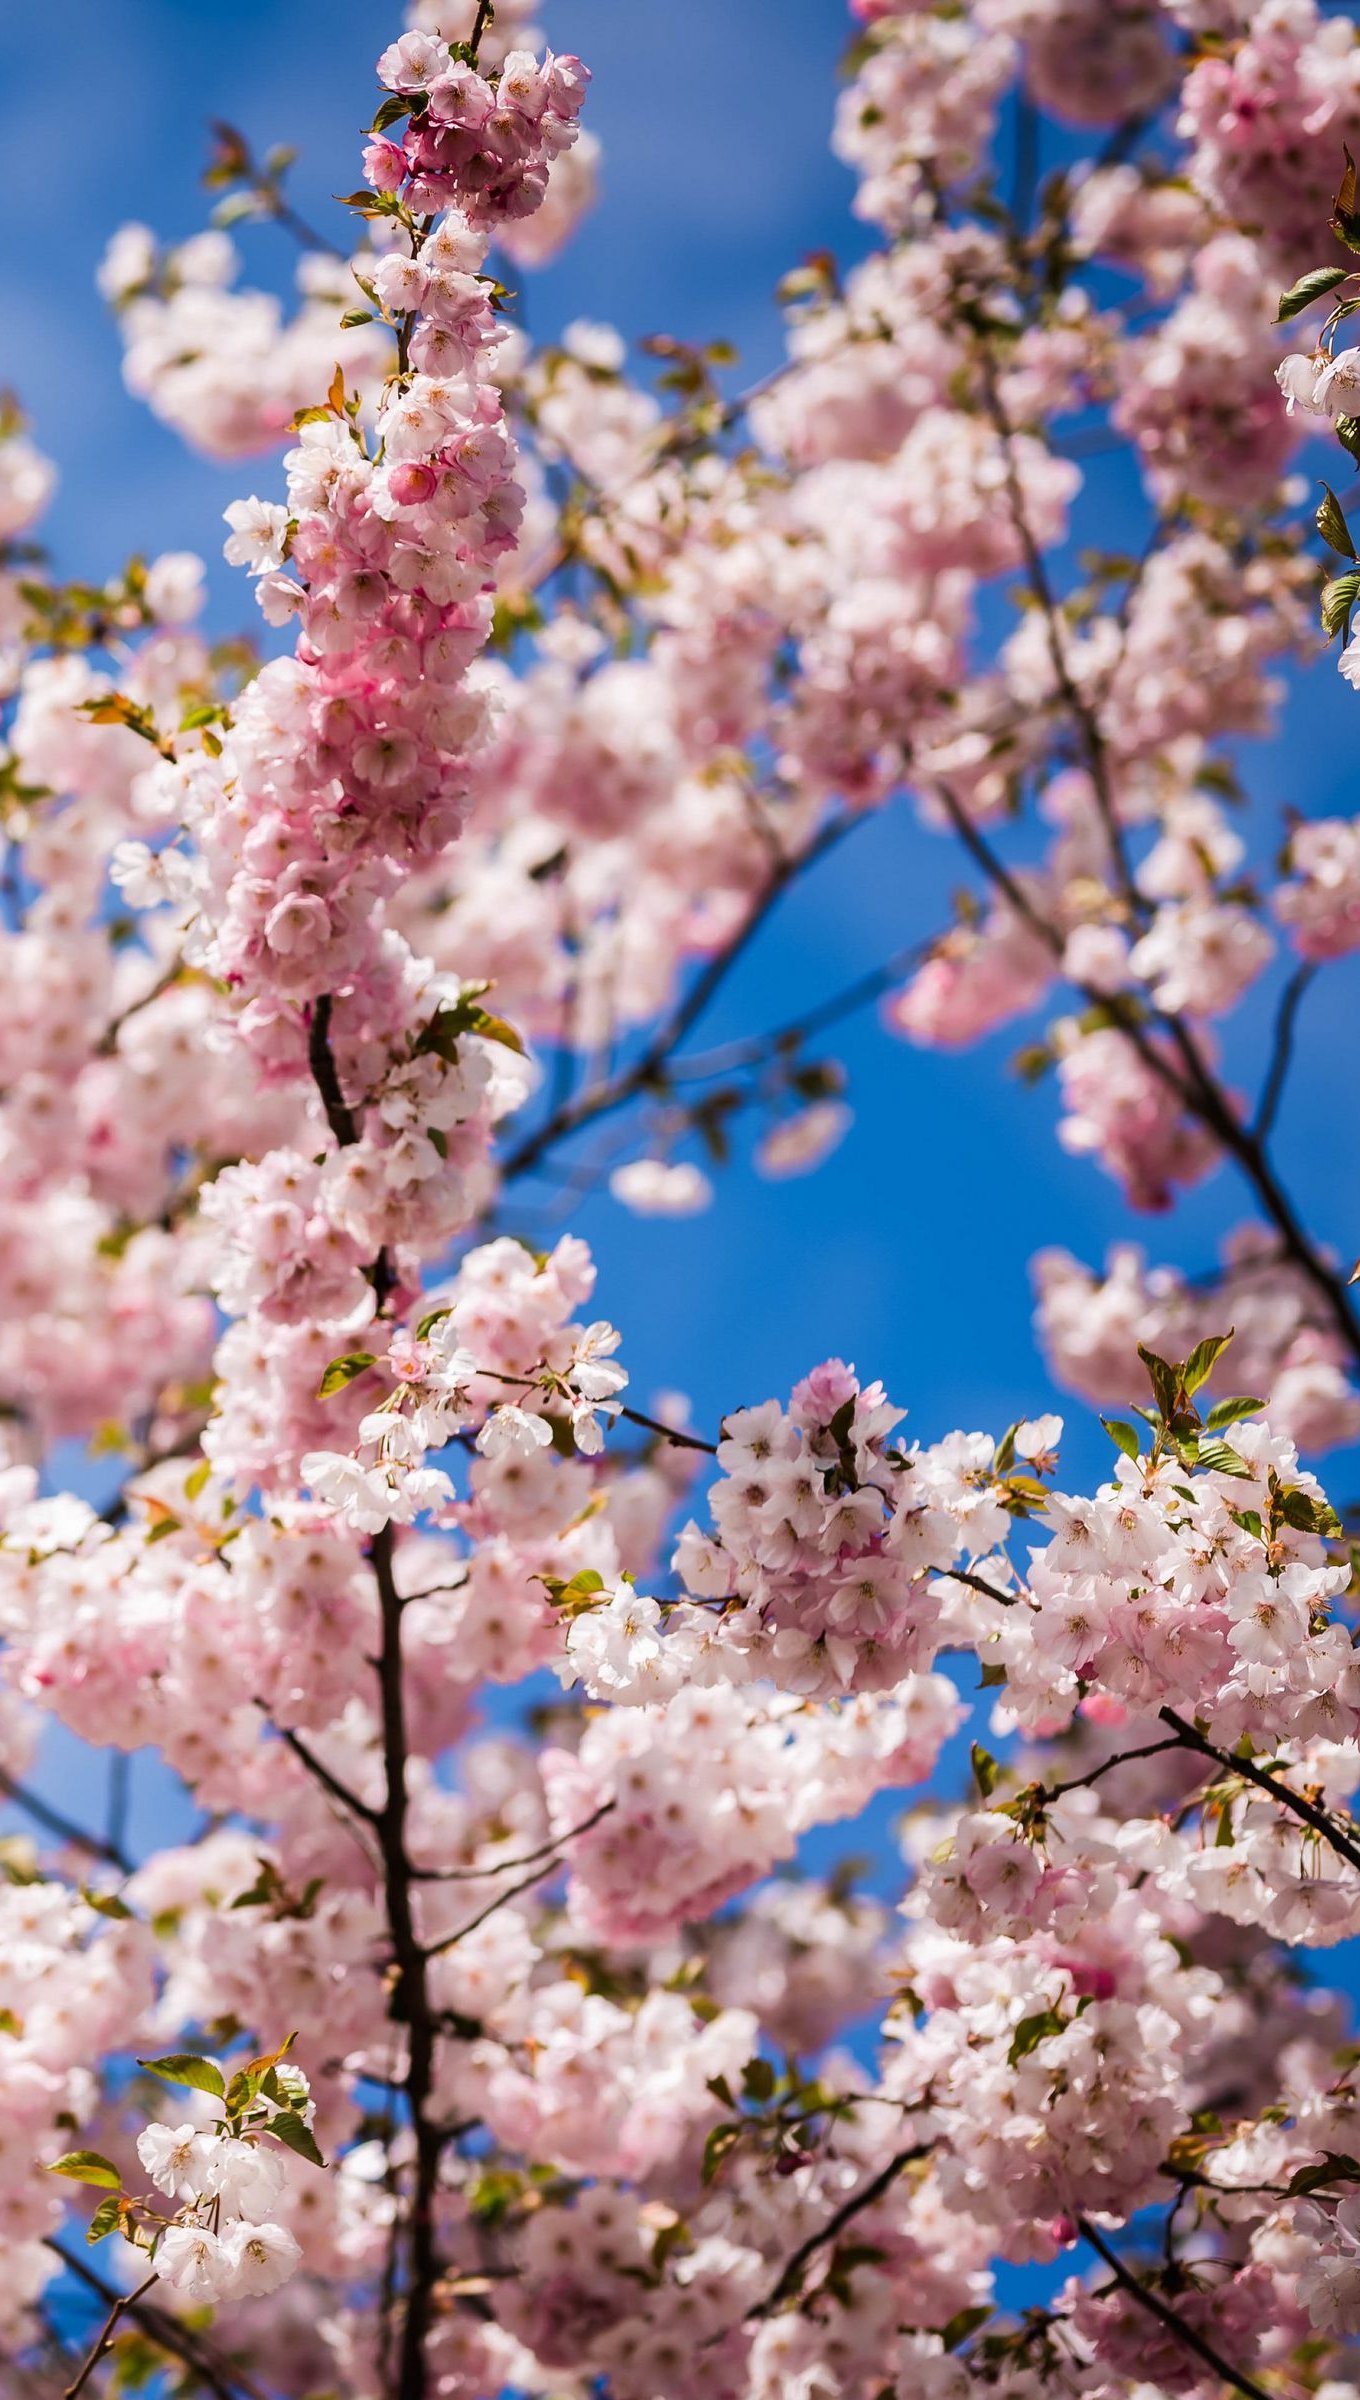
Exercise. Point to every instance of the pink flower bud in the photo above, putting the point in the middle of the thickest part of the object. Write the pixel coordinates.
(384, 166)
(411, 482)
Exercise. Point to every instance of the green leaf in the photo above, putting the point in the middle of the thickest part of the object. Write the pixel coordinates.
(1203, 1359)
(1221, 1458)
(439, 1140)
(107, 2218)
(1250, 1521)
(196, 1480)
(296, 2135)
(1163, 1378)
(985, 1770)
(577, 1596)
(182, 2067)
(1331, 524)
(991, 1676)
(428, 1323)
(964, 2322)
(398, 105)
(1123, 1436)
(1307, 1515)
(496, 1029)
(1310, 287)
(1231, 1412)
(757, 2080)
(1333, 2167)
(720, 2141)
(1003, 1457)
(343, 1370)
(107, 1904)
(87, 2166)
(1338, 599)
(356, 316)
(1031, 2031)
(1344, 221)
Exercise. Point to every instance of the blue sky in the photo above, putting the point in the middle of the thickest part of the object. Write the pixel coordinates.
(908, 1252)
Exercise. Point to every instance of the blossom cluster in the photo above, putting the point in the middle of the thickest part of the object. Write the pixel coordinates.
(505, 1722)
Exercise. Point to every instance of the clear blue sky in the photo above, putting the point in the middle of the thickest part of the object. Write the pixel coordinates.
(908, 1252)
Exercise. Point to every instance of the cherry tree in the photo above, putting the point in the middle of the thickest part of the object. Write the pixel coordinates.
(466, 2049)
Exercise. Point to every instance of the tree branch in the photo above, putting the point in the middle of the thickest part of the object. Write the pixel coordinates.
(62, 1827)
(1167, 2316)
(222, 2377)
(1272, 1091)
(601, 1099)
(1319, 1820)
(791, 2274)
(552, 1858)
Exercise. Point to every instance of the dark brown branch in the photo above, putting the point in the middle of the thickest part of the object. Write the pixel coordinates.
(525, 1884)
(508, 1866)
(648, 1069)
(1167, 2316)
(790, 2275)
(339, 1115)
(1206, 1098)
(762, 1046)
(222, 2378)
(1123, 1758)
(1272, 1091)
(976, 1583)
(1318, 1819)
(322, 1775)
(410, 2003)
(1194, 1086)
(123, 2302)
(669, 1433)
(62, 1827)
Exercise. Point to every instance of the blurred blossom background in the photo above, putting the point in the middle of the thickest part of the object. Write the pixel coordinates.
(908, 1250)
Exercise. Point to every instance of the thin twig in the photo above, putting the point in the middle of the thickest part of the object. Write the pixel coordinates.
(1167, 2316)
(669, 1433)
(1318, 1819)
(508, 1866)
(322, 1774)
(123, 2303)
(791, 2274)
(1124, 1758)
(647, 1070)
(526, 1884)
(1272, 1091)
(223, 2378)
(63, 1827)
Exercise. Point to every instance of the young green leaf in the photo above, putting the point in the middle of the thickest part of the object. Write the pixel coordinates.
(1331, 524)
(1203, 1358)
(181, 2067)
(964, 2322)
(342, 1371)
(1123, 1436)
(757, 2080)
(985, 1770)
(1310, 287)
(87, 2166)
(1338, 599)
(1031, 2031)
(1221, 1457)
(296, 2135)
(107, 2218)
(1231, 1412)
